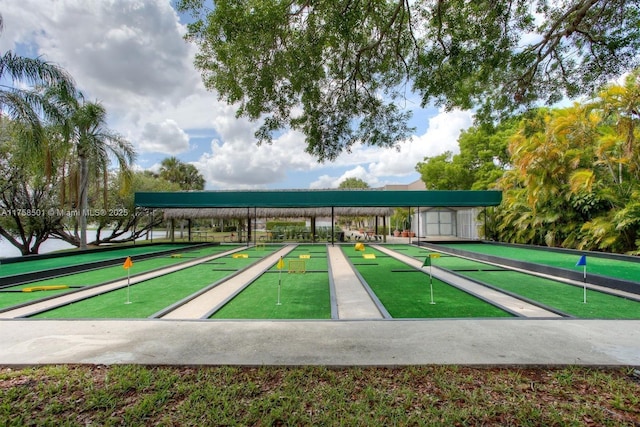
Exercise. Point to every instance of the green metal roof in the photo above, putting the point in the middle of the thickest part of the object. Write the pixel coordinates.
(318, 198)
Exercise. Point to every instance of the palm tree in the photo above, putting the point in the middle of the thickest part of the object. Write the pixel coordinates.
(22, 98)
(94, 146)
(185, 175)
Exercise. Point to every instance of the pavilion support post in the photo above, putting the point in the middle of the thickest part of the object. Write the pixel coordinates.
(135, 215)
(384, 227)
(173, 228)
(189, 229)
(418, 228)
(409, 220)
(485, 223)
(333, 235)
(248, 227)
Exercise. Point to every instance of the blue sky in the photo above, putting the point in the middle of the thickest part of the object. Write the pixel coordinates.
(130, 56)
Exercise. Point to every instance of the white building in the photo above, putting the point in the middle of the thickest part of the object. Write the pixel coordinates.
(439, 222)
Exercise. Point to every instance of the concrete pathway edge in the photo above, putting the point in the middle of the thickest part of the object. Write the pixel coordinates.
(473, 342)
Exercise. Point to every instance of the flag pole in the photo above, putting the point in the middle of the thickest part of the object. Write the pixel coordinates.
(583, 262)
(584, 292)
(128, 285)
(280, 266)
(279, 283)
(431, 283)
(427, 262)
(127, 266)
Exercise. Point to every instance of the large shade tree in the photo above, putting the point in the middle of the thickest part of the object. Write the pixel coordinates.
(339, 70)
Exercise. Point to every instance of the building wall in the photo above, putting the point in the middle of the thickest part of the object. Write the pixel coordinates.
(445, 222)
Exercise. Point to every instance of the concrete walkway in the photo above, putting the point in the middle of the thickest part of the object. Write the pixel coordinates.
(495, 342)
(512, 304)
(353, 300)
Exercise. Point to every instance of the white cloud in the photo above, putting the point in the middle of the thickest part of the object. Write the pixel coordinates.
(165, 137)
(131, 56)
(441, 135)
(360, 172)
(239, 163)
(127, 54)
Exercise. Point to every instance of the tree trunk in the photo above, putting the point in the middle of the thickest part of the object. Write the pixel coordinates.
(84, 198)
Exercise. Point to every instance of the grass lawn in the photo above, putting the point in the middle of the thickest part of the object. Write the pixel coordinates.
(151, 296)
(304, 396)
(405, 292)
(13, 295)
(302, 296)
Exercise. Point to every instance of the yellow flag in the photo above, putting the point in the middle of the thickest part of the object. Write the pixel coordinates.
(127, 263)
(280, 264)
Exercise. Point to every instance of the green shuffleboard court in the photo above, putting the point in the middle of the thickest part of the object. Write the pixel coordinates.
(564, 297)
(406, 292)
(13, 295)
(561, 296)
(300, 295)
(78, 258)
(151, 296)
(626, 270)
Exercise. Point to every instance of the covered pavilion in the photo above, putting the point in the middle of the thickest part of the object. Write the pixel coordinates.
(308, 203)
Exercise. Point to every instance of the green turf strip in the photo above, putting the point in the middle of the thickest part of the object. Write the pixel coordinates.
(77, 258)
(317, 262)
(627, 270)
(94, 277)
(302, 296)
(148, 297)
(566, 298)
(408, 295)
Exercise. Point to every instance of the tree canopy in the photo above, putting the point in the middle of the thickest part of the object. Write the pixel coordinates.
(22, 81)
(574, 179)
(353, 183)
(339, 70)
(482, 160)
(185, 175)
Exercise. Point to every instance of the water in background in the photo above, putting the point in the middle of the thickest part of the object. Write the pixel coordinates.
(7, 250)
